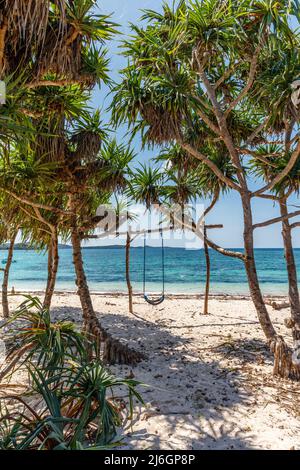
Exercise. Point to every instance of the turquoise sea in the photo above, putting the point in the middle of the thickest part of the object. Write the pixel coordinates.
(184, 270)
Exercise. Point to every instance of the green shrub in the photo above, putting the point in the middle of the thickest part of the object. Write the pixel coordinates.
(74, 402)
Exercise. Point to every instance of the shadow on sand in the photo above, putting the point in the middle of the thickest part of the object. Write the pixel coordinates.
(189, 400)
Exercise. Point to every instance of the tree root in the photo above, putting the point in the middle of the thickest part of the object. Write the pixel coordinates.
(111, 350)
(118, 353)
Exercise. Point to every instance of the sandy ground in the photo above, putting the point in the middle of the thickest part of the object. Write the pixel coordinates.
(209, 378)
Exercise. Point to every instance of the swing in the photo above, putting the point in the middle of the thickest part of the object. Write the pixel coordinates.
(160, 299)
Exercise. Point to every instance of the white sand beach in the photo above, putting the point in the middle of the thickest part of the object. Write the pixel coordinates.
(209, 378)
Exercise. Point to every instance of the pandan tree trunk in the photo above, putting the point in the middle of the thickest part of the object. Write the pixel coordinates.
(53, 262)
(6, 272)
(255, 291)
(294, 321)
(207, 283)
(111, 349)
(250, 265)
(49, 265)
(128, 281)
(81, 282)
(291, 268)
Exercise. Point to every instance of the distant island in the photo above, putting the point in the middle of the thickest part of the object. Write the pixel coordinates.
(62, 246)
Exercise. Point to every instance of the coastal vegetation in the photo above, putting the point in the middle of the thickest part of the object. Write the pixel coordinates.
(72, 404)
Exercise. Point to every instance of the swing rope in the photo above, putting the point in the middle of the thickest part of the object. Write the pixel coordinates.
(160, 299)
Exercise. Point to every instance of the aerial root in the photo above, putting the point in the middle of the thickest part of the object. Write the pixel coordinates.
(117, 353)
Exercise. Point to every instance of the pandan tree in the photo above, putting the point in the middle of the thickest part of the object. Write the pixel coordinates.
(43, 44)
(268, 169)
(212, 187)
(54, 40)
(278, 87)
(24, 26)
(202, 61)
(38, 229)
(94, 175)
(70, 191)
(67, 167)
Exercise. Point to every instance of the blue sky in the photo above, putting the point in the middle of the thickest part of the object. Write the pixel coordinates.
(228, 210)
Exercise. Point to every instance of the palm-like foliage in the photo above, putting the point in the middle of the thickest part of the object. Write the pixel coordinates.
(270, 166)
(74, 402)
(182, 189)
(87, 136)
(150, 98)
(95, 65)
(82, 29)
(116, 165)
(202, 75)
(274, 86)
(207, 179)
(46, 42)
(27, 22)
(92, 27)
(145, 185)
(69, 175)
(204, 182)
(163, 94)
(221, 35)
